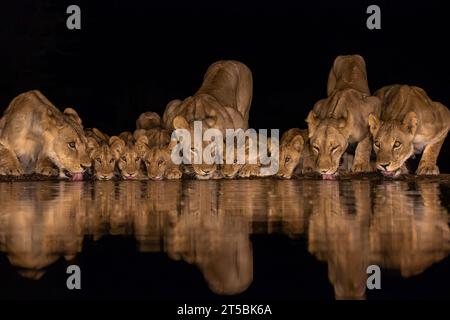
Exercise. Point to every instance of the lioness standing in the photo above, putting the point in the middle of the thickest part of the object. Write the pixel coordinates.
(222, 102)
(341, 119)
(410, 123)
(38, 138)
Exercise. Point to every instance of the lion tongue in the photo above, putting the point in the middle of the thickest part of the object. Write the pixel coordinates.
(328, 176)
(77, 176)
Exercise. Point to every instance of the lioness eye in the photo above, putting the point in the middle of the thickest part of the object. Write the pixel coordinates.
(397, 144)
(334, 149)
(111, 160)
(316, 148)
(377, 144)
(98, 160)
(137, 159)
(160, 162)
(71, 145)
(287, 159)
(123, 158)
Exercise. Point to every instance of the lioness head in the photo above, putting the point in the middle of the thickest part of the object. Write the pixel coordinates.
(104, 162)
(290, 153)
(393, 142)
(202, 170)
(127, 157)
(328, 142)
(65, 143)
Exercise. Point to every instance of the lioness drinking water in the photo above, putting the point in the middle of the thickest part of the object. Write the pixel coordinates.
(38, 138)
(341, 119)
(410, 123)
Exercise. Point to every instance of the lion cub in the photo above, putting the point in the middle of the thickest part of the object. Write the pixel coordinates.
(127, 156)
(410, 123)
(155, 147)
(99, 150)
(294, 153)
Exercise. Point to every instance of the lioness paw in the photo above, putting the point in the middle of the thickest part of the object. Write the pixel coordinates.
(359, 167)
(10, 170)
(248, 171)
(47, 171)
(426, 168)
(173, 174)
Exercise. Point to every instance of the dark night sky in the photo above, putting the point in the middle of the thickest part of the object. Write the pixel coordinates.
(133, 56)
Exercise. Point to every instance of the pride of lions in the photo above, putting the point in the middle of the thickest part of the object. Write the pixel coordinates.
(395, 123)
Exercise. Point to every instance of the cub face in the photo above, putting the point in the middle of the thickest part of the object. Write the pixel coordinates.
(157, 160)
(393, 142)
(290, 154)
(103, 160)
(127, 158)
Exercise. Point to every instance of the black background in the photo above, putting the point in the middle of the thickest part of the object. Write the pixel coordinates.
(134, 56)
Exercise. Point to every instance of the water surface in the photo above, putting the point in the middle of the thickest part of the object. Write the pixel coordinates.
(244, 239)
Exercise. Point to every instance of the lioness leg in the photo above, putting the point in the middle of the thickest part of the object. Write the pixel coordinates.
(427, 164)
(9, 164)
(361, 162)
(45, 167)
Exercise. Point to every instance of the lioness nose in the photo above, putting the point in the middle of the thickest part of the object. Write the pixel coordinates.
(385, 165)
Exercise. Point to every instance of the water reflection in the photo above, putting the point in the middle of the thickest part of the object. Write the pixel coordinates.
(349, 224)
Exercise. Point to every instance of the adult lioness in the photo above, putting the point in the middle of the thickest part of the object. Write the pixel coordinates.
(222, 102)
(38, 138)
(341, 119)
(410, 123)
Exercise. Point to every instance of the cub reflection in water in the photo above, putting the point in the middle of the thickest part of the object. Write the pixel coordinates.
(349, 224)
(37, 228)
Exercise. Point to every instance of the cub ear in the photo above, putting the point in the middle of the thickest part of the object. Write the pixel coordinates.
(117, 146)
(91, 145)
(142, 145)
(312, 122)
(297, 143)
(180, 122)
(374, 124)
(410, 122)
(73, 115)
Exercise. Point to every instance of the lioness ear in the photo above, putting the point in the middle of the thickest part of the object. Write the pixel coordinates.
(374, 124)
(410, 122)
(312, 122)
(117, 146)
(180, 122)
(298, 143)
(73, 115)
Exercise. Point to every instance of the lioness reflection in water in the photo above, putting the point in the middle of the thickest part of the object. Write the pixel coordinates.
(349, 224)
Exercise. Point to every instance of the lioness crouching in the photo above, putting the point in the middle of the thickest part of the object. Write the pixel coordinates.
(100, 152)
(410, 123)
(222, 102)
(341, 119)
(127, 156)
(38, 138)
(154, 145)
